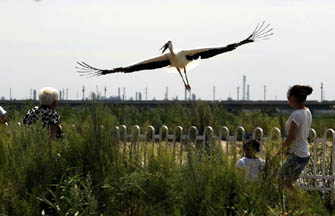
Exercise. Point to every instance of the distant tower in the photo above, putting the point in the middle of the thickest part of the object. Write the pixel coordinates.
(213, 93)
(105, 89)
(67, 94)
(167, 93)
(146, 93)
(35, 94)
(322, 92)
(248, 94)
(244, 81)
(119, 93)
(194, 97)
(140, 96)
(31, 94)
(265, 93)
(124, 93)
(63, 94)
(83, 90)
(185, 94)
(97, 88)
(10, 93)
(238, 93)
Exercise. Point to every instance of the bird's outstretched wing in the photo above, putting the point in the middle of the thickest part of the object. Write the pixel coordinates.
(150, 64)
(261, 32)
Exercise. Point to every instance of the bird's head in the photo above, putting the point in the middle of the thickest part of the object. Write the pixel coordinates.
(167, 45)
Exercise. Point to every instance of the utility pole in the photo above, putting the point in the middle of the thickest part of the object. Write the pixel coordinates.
(264, 92)
(322, 92)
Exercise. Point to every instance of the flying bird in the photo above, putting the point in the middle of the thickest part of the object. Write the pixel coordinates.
(179, 60)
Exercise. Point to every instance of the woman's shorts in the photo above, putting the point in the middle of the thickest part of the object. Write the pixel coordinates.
(292, 167)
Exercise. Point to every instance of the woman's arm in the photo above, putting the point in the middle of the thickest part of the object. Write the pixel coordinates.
(292, 134)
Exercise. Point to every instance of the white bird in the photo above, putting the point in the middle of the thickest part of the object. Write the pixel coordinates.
(178, 60)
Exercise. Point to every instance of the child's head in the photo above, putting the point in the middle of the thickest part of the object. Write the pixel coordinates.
(251, 147)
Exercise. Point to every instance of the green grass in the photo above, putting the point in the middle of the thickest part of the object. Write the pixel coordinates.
(87, 174)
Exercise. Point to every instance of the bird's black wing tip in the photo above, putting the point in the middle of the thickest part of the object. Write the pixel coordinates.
(85, 69)
(262, 31)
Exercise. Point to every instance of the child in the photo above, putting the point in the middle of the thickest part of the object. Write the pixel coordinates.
(251, 164)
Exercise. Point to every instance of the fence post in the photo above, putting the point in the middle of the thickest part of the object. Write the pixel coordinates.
(220, 142)
(235, 138)
(210, 141)
(125, 135)
(261, 139)
(332, 132)
(314, 149)
(146, 141)
(164, 127)
(181, 143)
(135, 129)
(195, 129)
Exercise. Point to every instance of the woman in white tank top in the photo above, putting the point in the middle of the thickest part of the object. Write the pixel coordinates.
(297, 129)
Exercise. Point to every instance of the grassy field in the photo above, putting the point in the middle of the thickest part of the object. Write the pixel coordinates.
(87, 174)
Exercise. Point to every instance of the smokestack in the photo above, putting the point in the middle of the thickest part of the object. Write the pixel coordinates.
(167, 93)
(146, 93)
(105, 92)
(124, 93)
(248, 96)
(244, 81)
(213, 93)
(83, 92)
(265, 93)
(238, 93)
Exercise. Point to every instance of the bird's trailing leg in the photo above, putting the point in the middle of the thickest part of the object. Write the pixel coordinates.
(186, 86)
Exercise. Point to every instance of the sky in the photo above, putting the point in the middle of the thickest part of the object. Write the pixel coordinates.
(41, 41)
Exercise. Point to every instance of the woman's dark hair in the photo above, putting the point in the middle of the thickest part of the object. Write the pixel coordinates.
(300, 92)
(253, 143)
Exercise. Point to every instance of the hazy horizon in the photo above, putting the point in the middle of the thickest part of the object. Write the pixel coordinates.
(42, 41)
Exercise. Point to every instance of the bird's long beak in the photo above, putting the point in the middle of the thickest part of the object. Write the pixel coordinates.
(164, 47)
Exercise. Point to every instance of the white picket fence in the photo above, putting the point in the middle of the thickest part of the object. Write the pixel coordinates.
(318, 175)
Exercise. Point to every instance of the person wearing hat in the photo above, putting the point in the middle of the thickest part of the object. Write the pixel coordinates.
(48, 98)
(3, 117)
